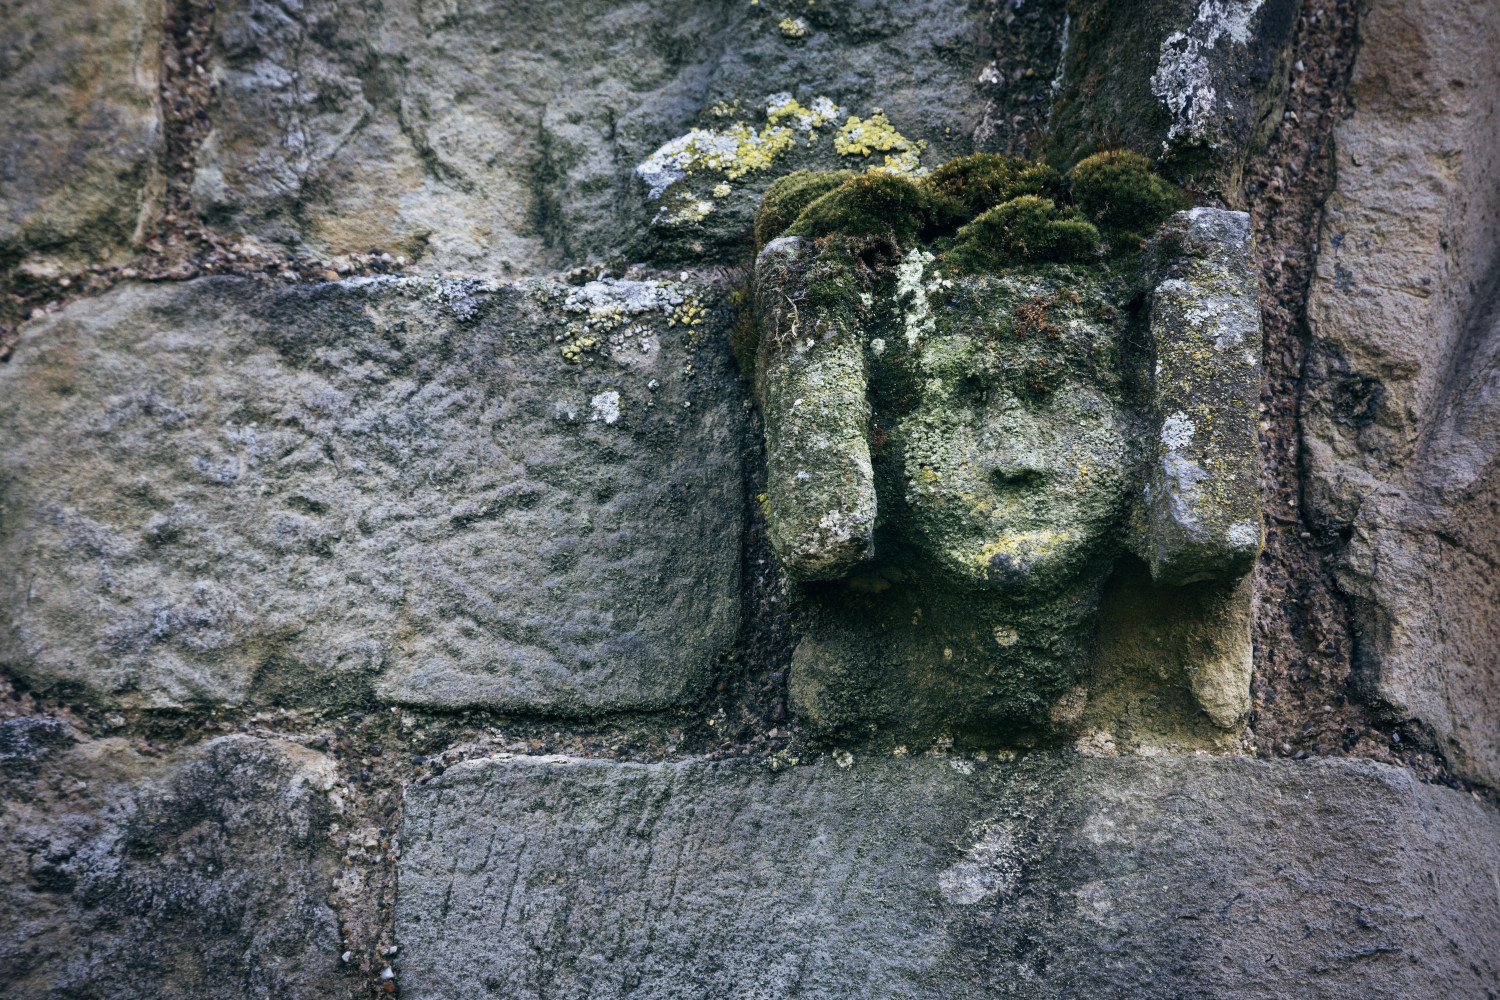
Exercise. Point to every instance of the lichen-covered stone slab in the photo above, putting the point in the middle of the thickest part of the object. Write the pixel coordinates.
(1054, 876)
(80, 129)
(204, 874)
(504, 139)
(1196, 84)
(439, 493)
(1201, 517)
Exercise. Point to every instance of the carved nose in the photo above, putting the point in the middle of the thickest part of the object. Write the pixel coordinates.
(1019, 468)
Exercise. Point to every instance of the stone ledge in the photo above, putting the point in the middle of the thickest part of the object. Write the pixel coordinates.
(1051, 876)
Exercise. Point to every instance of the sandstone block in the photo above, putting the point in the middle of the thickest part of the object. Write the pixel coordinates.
(80, 129)
(440, 493)
(204, 874)
(1399, 405)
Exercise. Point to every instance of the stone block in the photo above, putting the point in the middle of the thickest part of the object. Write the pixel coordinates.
(204, 874)
(1399, 404)
(1198, 86)
(525, 497)
(80, 129)
(491, 138)
(1052, 876)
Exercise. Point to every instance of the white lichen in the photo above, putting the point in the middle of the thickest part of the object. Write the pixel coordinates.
(986, 870)
(912, 292)
(1177, 431)
(1062, 53)
(783, 109)
(1183, 80)
(606, 406)
(1243, 534)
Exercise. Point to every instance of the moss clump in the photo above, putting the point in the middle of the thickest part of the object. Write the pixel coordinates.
(983, 212)
(1023, 230)
(1117, 191)
(789, 195)
(974, 184)
(878, 203)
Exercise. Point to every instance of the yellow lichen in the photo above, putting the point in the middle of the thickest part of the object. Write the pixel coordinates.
(1026, 544)
(863, 136)
(785, 109)
(793, 27)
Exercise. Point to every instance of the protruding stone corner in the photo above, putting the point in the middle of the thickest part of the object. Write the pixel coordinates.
(1197, 86)
(813, 382)
(1201, 515)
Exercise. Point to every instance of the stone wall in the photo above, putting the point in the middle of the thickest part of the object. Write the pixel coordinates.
(400, 582)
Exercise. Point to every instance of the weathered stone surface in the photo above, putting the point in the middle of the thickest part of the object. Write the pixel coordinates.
(80, 129)
(1401, 402)
(505, 139)
(446, 494)
(820, 486)
(952, 563)
(1050, 877)
(1201, 517)
(1196, 84)
(203, 874)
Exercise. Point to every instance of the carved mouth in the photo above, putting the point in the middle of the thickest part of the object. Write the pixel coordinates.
(1011, 560)
(1006, 570)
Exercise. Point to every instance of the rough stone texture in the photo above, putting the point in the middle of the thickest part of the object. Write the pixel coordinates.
(1018, 437)
(504, 138)
(80, 129)
(1196, 84)
(1051, 877)
(1401, 403)
(200, 875)
(1201, 517)
(820, 487)
(227, 493)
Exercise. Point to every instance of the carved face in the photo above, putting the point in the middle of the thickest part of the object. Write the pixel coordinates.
(1015, 453)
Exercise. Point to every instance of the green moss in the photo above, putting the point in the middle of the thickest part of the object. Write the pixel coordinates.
(878, 203)
(1117, 191)
(983, 212)
(977, 183)
(1022, 230)
(789, 195)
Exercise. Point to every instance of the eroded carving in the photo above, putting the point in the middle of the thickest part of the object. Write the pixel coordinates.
(959, 457)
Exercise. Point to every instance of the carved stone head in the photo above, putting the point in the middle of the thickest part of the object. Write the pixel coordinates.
(957, 462)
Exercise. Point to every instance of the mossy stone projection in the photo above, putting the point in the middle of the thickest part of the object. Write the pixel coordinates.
(981, 391)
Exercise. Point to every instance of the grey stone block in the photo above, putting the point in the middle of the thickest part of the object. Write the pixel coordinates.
(502, 139)
(1054, 876)
(444, 493)
(203, 875)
